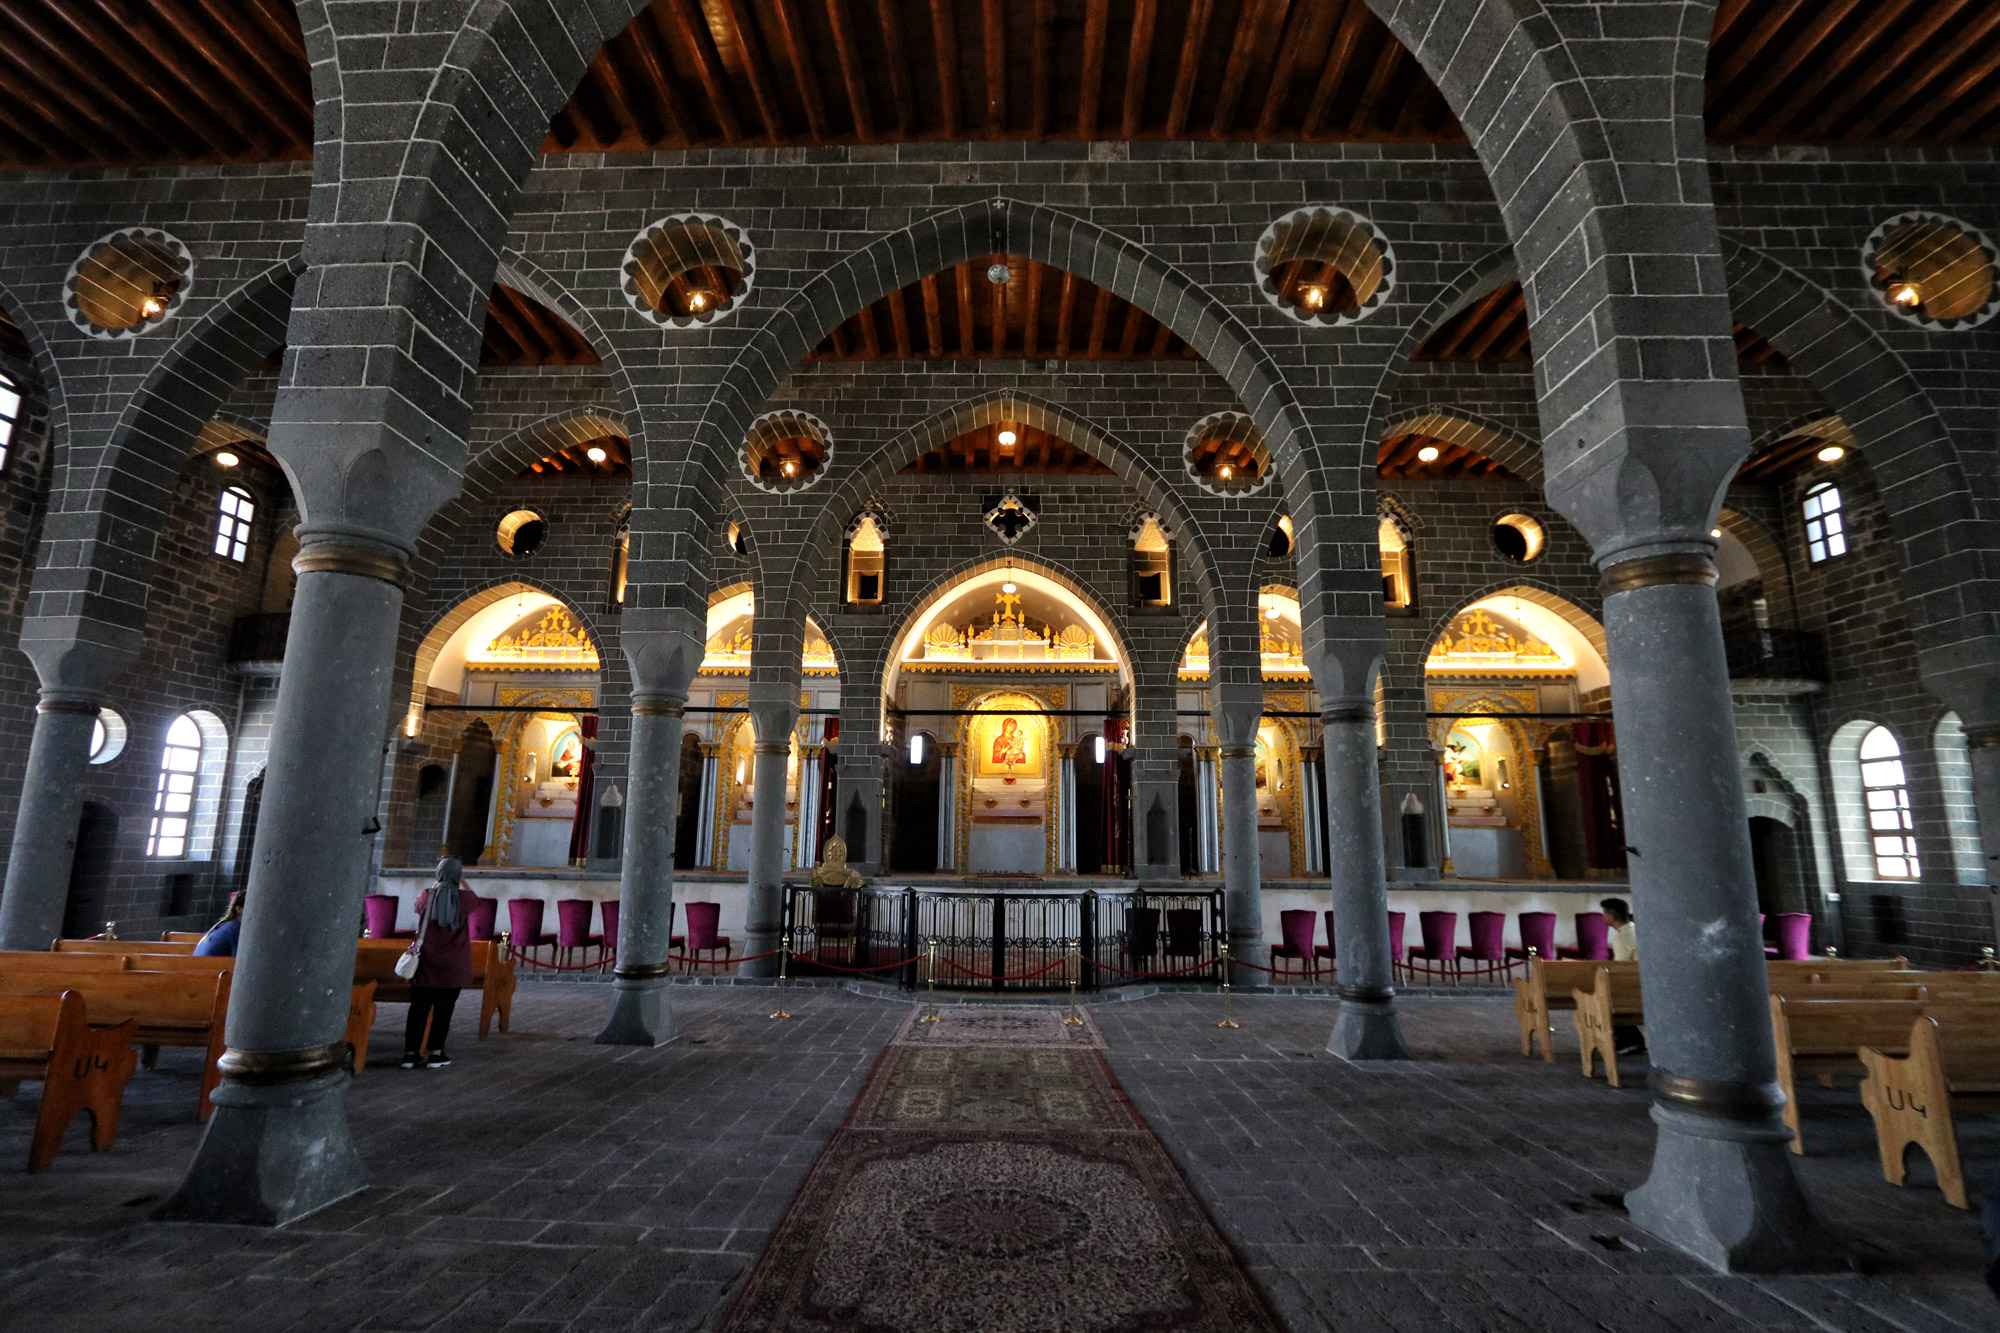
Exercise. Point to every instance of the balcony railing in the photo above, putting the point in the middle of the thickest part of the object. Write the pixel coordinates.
(1773, 654)
(259, 639)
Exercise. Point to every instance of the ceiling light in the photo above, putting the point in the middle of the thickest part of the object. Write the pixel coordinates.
(1833, 453)
(1715, 533)
(1007, 438)
(224, 458)
(1225, 472)
(998, 275)
(1009, 588)
(697, 301)
(1271, 613)
(1428, 454)
(790, 467)
(1905, 294)
(151, 306)
(1315, 297)
(595, 453)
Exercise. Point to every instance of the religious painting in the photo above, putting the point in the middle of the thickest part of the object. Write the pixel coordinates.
(1006, 745)
(1461, 760)
(566, 759)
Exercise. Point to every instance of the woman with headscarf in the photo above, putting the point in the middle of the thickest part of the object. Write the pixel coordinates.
(444, 965)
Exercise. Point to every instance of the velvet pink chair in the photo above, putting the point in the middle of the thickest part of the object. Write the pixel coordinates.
(483, 917)
(1396, 961)
(381, 909)
(573, 927)
(608, 909)
(1538, 932)
(1440, 946)
(1297, 928)
(703, 918)
(1593, 938)
(1794, 935)
(1325, 950)
(524, 924)
(1489, 943)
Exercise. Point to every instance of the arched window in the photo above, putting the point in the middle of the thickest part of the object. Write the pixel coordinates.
(232, 524)
(1891, 831)
(867, 554)
(1826, 534)
(1398, 581)
(1152, 564)
(10, 412)
(188, 795)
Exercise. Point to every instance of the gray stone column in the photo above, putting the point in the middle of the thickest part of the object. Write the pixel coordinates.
(1237, 709)
(278, 1146)
(773, 716)
(37, 890)
(1982, 751)
(1156, 814)
(1366, 1028)
(664, 648)
(1722, 1183)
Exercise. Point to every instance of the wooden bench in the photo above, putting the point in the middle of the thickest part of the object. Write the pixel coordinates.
(492, 976)
(1953, 1064)
(1825, 1036)
(1611, 1002)
(183, 936)
(165, 1008)
(81, 1068)
(1796, 970)
(124, 946)
(1547, 989)
(25, 960)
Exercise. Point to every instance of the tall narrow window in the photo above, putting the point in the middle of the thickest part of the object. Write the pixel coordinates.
(10, 412)
(232, 525)
(866, 553)
(1826, 535)
(621, 561)
(1397, 591)
(173, 801)
(1152, 564)
(1891, 831)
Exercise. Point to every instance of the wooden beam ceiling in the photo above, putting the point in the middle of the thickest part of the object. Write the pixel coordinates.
(574, 460)
(521, 331)
(1034, 450)
(1493, 330)
(1397, 459)
(1041, 312)
(1782, 459)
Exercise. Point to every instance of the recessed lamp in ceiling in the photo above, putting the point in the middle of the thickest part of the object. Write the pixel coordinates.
(1270, 613)
(1905, 294)
(224, 458)
(1009, 588)
(1715, 533)
(1428, 454)
(1007, 438)
(998, 275)
(1314, 298)
(1833, 453)
(595, 453)
(151, 307)
(698, 300)
(791, 469)
(1225, 472)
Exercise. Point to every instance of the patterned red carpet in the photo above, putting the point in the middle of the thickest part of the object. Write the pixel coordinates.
(993, 1176)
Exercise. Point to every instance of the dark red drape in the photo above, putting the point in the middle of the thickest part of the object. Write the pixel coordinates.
(1597, 783)
(1114, 798)
(827, 766)
(579, 828)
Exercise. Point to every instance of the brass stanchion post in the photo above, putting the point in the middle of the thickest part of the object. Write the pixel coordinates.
(930, 986)
(1227, 1021)
(1075, 967)
(784, 958)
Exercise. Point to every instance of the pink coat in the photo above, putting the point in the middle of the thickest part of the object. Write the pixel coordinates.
(446, 959)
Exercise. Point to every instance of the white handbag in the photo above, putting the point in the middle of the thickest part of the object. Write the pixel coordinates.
(406, 965)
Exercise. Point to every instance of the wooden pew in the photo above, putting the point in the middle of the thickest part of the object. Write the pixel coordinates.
(1825, 1037)
(1612, 1001)
(124, 946)
(1796, 970)
(1953, 1064)
(25, 960)
(492, 976)
(182, 936)
(166, 1008)
(81, 1068)
(1547, 990)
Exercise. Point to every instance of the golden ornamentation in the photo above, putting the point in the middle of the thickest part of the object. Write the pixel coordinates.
(818, 658)
(943, 643)
(833, 872)
(557, 642)
(1477, 644)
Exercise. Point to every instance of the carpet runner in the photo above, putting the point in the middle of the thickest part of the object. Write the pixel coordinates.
(992, 1175)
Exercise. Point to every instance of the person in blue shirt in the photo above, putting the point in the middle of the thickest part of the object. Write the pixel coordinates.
(220, 942)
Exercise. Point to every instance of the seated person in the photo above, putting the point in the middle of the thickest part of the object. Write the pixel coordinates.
(220, 942)
(1624, 939)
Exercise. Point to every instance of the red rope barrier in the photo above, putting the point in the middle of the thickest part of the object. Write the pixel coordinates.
(1179, 971)
(988, 976)
(520, 957)
(838, 967)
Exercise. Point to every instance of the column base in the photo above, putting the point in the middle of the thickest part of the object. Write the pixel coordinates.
(756, 942)
(1366, 1029)
(640, 1014)
(1724, 1190)
(272, 1154)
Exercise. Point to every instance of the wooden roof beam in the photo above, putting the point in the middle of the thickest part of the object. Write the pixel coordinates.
(1189, 68)
(1391, 55)
(1043, 107)
(1238, 68)
(216, 39)
(1096, 19)
(967, 346)
(897, 58)
(933, 318)
(849, 51)
(1865, 83)
(944, 42)
(995, 14)
(755, 68)
(1333, 75)
(143, 125)
(1977, 71)
(899, 324)
(1065, 310)
(1138, 63)
(999, 317)
(649, 44)
(1836, 65)
(201, 99)
(798, 49)
(708, 65)
(1796, 55)
(1278, 88)
(1031, 321)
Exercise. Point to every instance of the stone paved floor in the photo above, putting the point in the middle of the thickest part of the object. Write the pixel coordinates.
(545, 1183)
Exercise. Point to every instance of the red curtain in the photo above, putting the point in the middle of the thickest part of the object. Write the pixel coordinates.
(1114, 798)
(579, 828)
(1597, 782)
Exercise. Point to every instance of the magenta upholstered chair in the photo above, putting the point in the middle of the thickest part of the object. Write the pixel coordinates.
(1593, 937)
(1325, 950)
(1489, 942)
(573, 926)
(1297, 928)
(381, 915)
(524, 924)
(1538, 932)
(1396, 961)
(609, 910)
(484, 913)
(1794, 934)
(701, 937)
(1440, 946)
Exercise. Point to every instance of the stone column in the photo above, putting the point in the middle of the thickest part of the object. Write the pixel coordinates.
(774, 711)
(1982, 752)
(663, 647)
(947, 819)
(1237, 711)
(1366, 1028)
(704, 828)
(1156, 814)
(1207, 813)
(1312, 779)
(1722, 1184)
(278, 1145)
(37, 890)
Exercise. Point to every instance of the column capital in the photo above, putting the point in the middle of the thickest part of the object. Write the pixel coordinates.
(337, 552)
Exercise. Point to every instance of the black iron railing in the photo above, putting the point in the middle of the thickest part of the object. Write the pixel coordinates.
(260, 638)
(1001, 940)
(1772, 654)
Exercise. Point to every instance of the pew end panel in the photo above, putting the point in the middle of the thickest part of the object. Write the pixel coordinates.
(48, 1037)
(1953, 1064)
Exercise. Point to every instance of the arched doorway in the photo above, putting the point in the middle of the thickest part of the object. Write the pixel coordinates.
(90, 871)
